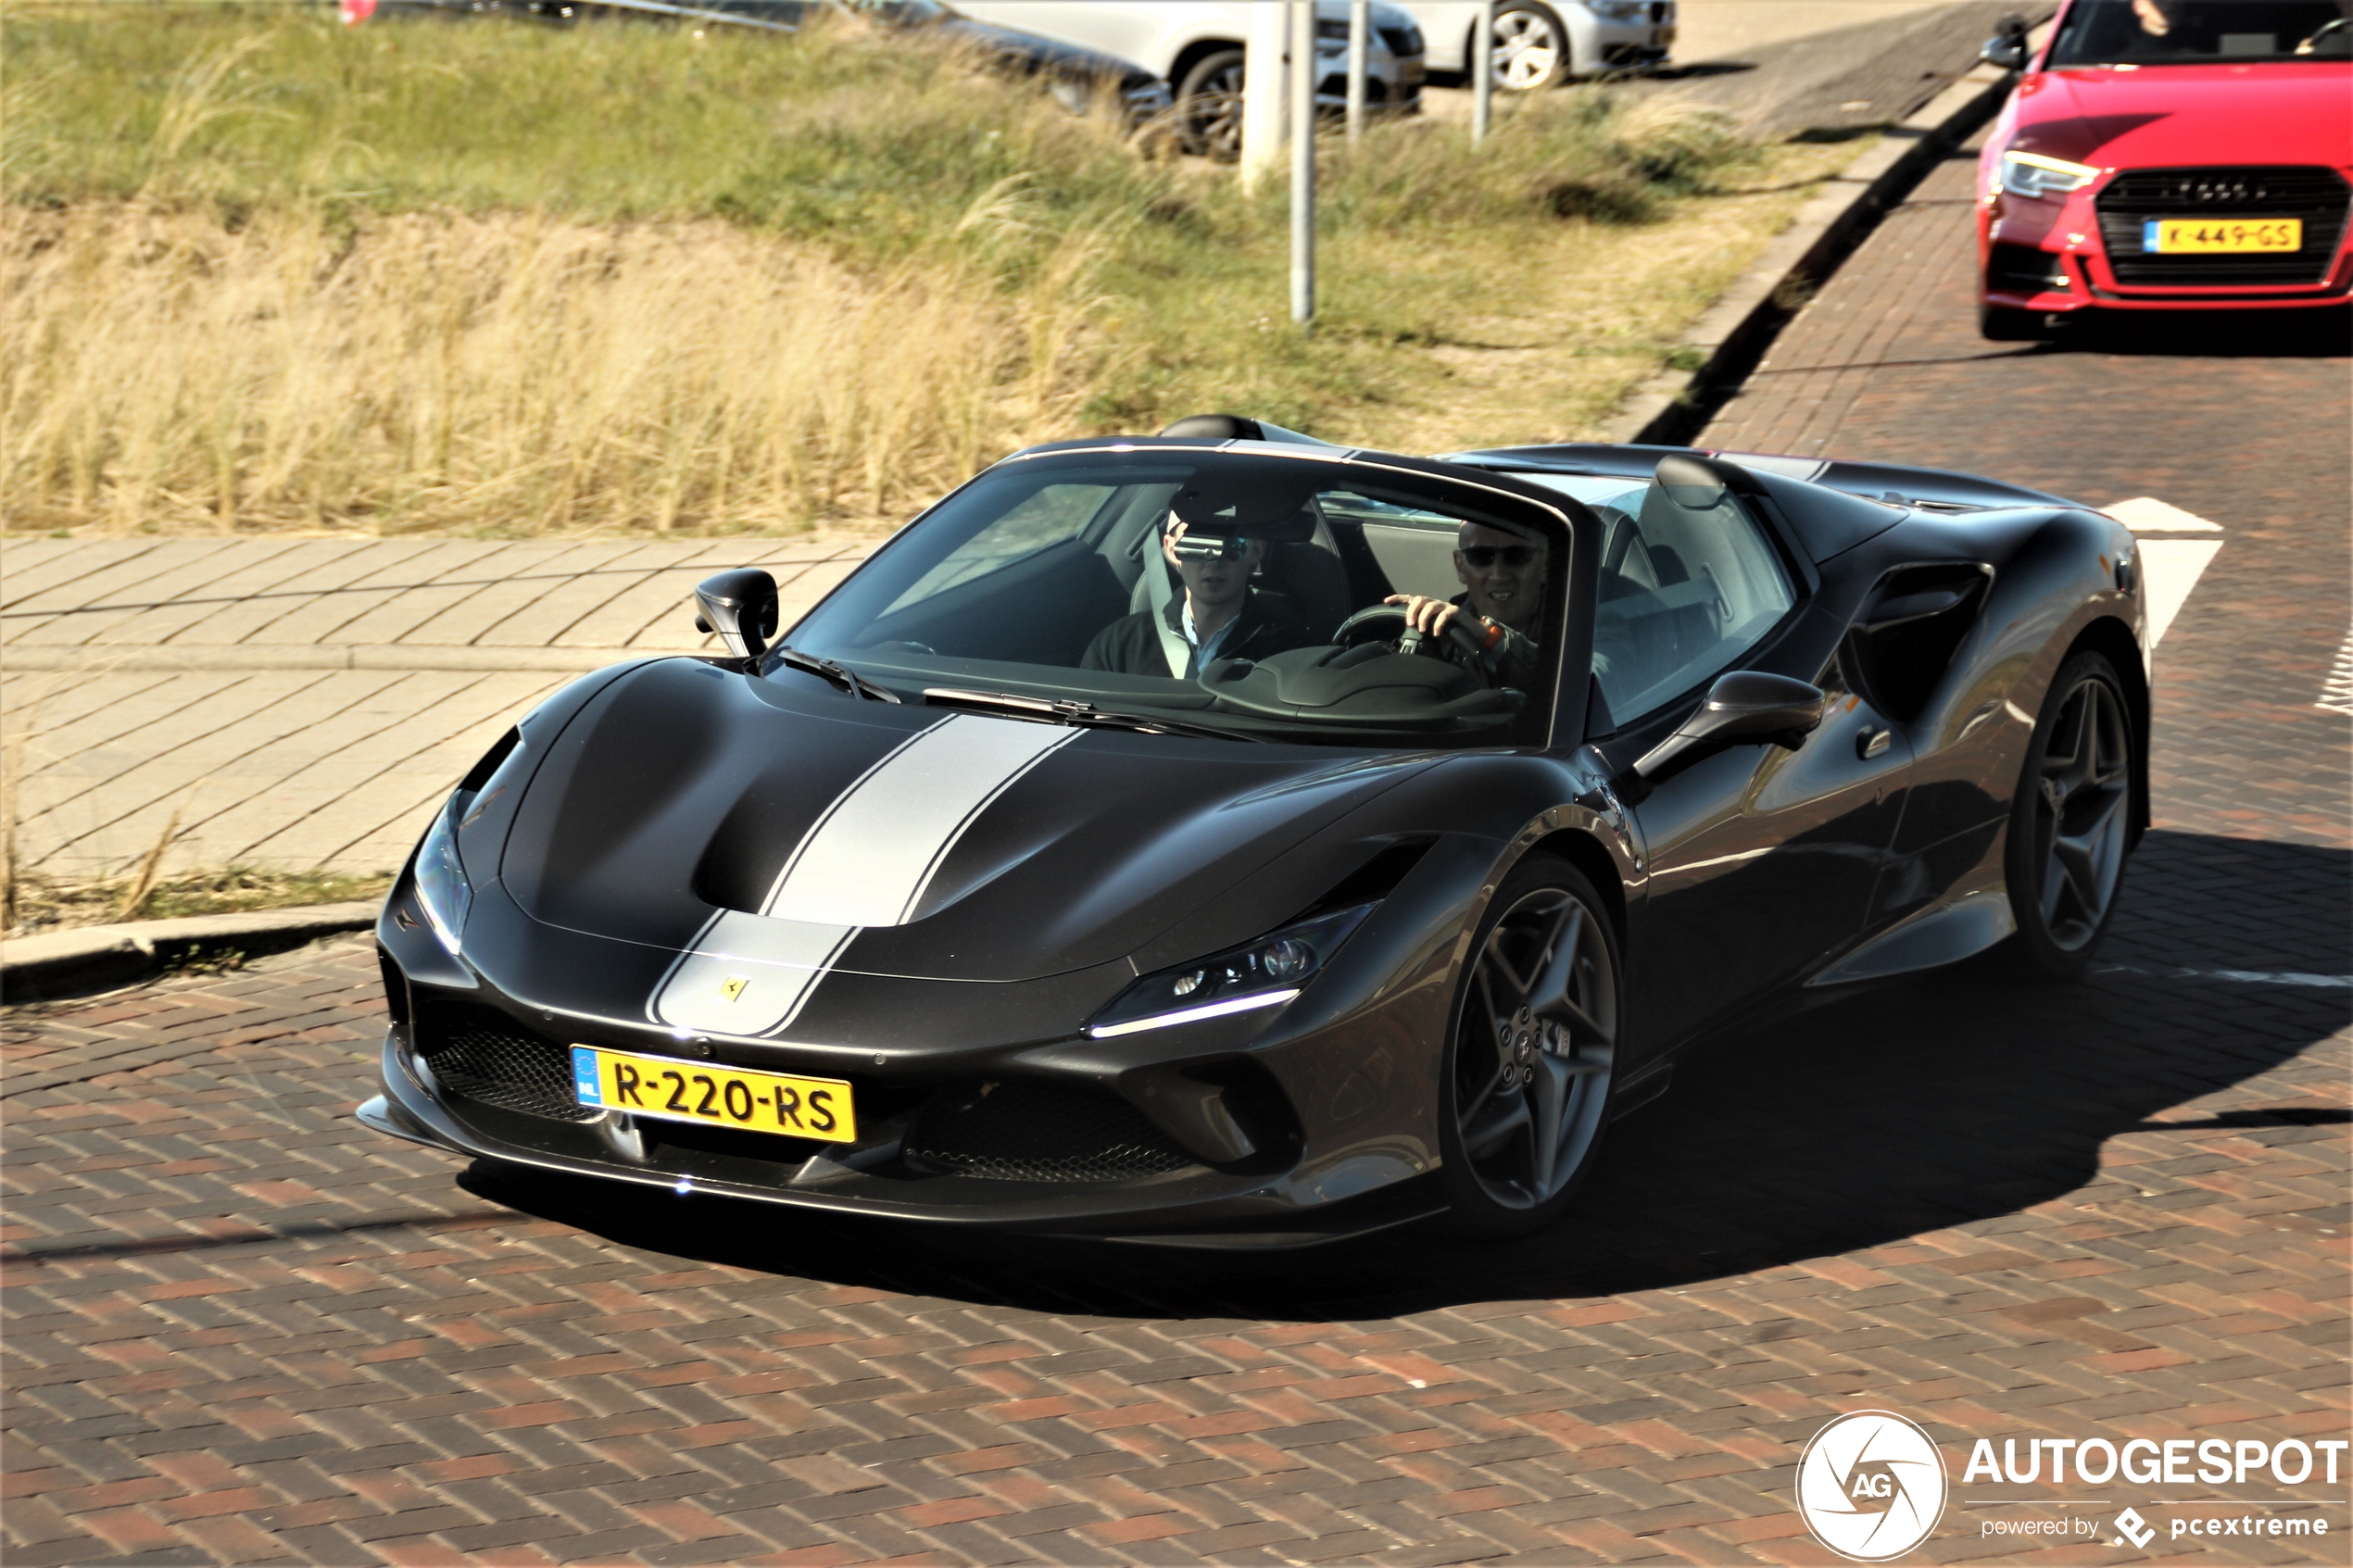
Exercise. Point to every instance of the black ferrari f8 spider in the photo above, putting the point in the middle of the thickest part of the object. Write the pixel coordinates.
(1006, 889)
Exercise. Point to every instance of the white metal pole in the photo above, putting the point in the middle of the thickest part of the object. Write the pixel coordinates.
(1302, 161)
(1360, 27)
(1483, 70)
(1264, 84)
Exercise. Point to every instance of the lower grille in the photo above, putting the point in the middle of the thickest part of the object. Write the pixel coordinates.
(1023, 1131)
(486, 1056)
(2024, 270)
(2318, 198)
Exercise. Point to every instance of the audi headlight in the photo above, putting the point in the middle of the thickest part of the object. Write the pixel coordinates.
(2032, 174)
(1267, 973)
(1617, 10)
(441, 888)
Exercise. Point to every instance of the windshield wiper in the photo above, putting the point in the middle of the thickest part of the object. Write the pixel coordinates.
(841, 675)
(1069, 710)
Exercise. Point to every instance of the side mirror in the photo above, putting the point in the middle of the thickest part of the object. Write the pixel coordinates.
(741, 607)
(1745, 705)
(2006, 49)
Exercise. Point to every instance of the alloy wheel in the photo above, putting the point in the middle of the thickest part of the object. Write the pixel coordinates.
(1529, 51)
(1536, 1047)
(1212, 114)
(2080, 813)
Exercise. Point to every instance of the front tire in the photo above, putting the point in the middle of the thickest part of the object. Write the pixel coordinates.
(1531, 47)
(1530, 1063)
(2072, 819)
(1209, 106)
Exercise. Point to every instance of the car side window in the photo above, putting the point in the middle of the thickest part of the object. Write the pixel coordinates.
(1683, 593)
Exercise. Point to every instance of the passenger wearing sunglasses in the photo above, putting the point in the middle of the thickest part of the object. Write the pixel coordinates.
(1501, 601)
(1219, 615)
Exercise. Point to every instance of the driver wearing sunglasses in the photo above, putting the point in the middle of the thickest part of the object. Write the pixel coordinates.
(1503, 598)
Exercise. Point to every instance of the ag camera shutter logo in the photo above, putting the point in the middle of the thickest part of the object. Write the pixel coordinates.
(1870, 1486)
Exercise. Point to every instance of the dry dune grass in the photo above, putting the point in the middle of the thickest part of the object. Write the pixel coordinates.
(430, 370)
(259, 272)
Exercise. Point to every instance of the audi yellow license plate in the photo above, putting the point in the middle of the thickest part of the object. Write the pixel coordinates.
(714, 1096)
(2211, 236)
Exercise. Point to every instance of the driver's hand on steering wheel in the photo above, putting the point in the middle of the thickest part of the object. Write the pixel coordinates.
(1434, 617)
(1430, 617)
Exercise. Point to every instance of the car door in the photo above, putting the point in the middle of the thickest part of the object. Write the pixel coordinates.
(1759, 859)
(1129, 31)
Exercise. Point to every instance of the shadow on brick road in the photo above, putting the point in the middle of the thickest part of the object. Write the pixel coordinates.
(1949, 1100)
(2323, 333)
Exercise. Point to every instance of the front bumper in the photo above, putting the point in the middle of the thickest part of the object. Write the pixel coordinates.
(1195, 1206)
(2057, 258)
(1629, 46)
(1307, 1121)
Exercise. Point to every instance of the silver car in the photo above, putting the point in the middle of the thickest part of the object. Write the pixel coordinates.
(1538, 45)
(1198, 47)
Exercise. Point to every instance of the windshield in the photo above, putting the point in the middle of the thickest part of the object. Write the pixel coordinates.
(2172, 33)
(1246, 594)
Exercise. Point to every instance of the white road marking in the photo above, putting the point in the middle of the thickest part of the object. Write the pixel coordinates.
(2170, 567)
(2234, 976)
(2336, 692)
(2146, 514)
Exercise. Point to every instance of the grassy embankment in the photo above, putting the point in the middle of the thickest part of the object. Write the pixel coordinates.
(260, 272)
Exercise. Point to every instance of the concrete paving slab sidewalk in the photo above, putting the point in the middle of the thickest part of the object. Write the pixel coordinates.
(300, 704)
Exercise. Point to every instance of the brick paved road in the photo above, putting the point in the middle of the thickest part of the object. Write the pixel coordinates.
(303, 703)
(240, 1330)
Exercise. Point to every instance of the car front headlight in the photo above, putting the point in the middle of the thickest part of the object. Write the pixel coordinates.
(1265, 973)
(2032, 174)
(441, 889)
(1617, 10)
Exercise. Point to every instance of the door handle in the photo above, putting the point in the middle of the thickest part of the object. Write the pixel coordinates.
(1873, 742)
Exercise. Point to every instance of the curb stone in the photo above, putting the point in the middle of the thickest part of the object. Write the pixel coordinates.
(1674, 405)
(64, 961)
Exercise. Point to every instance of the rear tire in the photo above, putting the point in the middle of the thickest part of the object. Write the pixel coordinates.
(1529, 1069)
(2072, 819)
(1209, 106)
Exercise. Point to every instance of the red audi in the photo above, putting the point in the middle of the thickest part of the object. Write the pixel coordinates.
(2169, 154)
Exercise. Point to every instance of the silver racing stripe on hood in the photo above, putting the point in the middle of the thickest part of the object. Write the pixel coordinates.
(868, 859)
(746, 974)
(865, 862)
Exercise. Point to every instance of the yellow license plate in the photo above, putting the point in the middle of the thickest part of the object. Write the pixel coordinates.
(2193, 236)
(714, 1096)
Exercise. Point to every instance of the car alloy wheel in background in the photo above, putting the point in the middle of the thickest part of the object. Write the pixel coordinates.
(2071, 822)
(1209, 106)
(1529, 1070)
(1531, 47)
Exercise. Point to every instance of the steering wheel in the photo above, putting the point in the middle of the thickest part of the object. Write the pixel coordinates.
(1386, 623)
